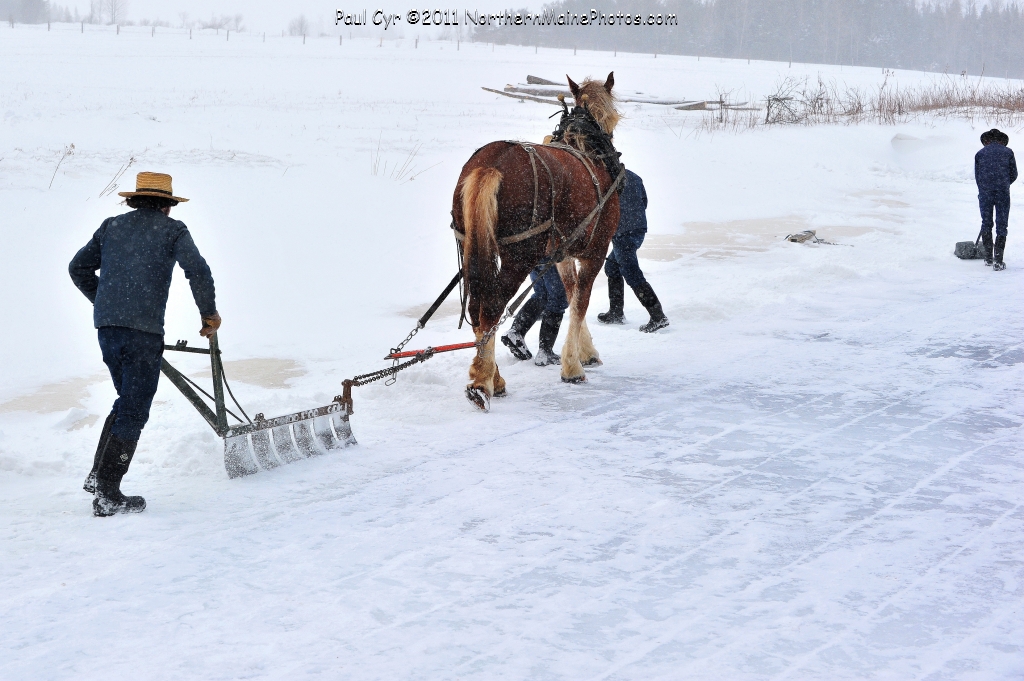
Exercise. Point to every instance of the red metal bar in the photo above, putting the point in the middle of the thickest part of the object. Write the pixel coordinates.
(439, 348)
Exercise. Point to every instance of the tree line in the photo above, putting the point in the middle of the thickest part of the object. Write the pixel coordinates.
(102, 12)
(949, 36)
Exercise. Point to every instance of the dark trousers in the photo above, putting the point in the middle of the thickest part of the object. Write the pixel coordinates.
(133, 358)
(548, 288)
(1000, 202)
(622, 262)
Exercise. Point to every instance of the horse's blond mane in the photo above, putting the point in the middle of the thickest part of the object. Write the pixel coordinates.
(601, 104)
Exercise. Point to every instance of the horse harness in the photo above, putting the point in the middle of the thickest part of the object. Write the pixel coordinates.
(549, 224)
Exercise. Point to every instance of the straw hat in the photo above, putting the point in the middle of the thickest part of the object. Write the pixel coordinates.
(153, 184)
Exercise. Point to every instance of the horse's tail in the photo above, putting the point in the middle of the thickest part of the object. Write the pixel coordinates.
(479, 216)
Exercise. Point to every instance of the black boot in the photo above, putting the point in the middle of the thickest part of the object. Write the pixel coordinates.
(986, 247)
(524, 321)
(90, 480)
(616, 300)
(549, 324)
(649, 299)
(999, 265)
(117, 457)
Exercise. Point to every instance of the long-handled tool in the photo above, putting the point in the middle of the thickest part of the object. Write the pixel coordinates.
(260, 443)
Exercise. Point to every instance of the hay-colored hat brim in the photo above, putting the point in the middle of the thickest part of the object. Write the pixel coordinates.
(157, 194)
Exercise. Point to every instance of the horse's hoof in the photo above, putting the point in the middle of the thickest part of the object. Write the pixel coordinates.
(574, 379)
(593, 362)
(478, 397)
(500, 393)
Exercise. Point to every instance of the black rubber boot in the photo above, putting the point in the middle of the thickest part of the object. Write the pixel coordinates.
(524, 321)
(549, 325)
(616, 301)
(999, 265)
(986, 247)
(117, 457)
(90, 480)
(649, 299)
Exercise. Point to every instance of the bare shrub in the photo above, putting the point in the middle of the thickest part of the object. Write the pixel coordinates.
(298, 26)
(115, 10)
(806, 102)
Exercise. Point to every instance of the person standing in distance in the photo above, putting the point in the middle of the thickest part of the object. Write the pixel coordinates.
(995, 169)
(136, 252)
(622, 263)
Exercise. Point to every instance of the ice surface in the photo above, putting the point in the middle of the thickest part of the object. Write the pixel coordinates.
(814, 473)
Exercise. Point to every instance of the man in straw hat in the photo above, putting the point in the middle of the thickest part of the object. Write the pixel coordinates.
(136, 253)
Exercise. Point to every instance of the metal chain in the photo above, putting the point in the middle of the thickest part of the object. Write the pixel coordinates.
(394, 368)
(391, 370)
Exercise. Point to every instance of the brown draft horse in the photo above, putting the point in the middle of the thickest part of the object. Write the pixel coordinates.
(503, 193)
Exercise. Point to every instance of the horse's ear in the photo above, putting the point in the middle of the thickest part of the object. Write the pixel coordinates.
(573, 88)
(610, 83)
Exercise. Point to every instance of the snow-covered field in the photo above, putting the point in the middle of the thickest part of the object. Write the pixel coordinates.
(814, 473)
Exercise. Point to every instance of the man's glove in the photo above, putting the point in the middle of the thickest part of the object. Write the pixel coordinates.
(210, 325)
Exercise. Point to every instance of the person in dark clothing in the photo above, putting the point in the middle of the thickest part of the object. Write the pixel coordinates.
(136, 253)
(995, 169)
(622, 265)
(548, 303)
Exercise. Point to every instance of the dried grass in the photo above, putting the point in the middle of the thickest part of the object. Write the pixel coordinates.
(807, 102)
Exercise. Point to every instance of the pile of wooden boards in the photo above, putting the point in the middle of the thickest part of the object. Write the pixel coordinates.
(546, 91)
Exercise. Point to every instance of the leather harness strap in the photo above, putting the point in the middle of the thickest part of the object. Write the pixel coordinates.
(549, 224)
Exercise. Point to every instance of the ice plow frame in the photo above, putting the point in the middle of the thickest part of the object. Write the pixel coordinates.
(261, 443)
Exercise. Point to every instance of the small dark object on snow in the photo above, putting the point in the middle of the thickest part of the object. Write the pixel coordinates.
(980, 248)
(968, 250)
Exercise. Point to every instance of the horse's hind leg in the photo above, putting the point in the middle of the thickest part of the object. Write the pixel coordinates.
(572, 369)
(483, 374)
(589, 356)
(579, 346)
(499, 382)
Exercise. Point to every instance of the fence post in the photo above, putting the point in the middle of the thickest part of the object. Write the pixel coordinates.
(119, 29)
(227, 35)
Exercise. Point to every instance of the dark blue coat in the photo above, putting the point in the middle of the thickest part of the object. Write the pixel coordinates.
(136, 253)
(995, 168)
(632, 205)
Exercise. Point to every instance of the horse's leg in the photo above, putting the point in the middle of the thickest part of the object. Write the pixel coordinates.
(487, 381)
(589, 356)
(572, 368)
(499, 382)
(482, 373)
(567, 272)
(579, 346)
